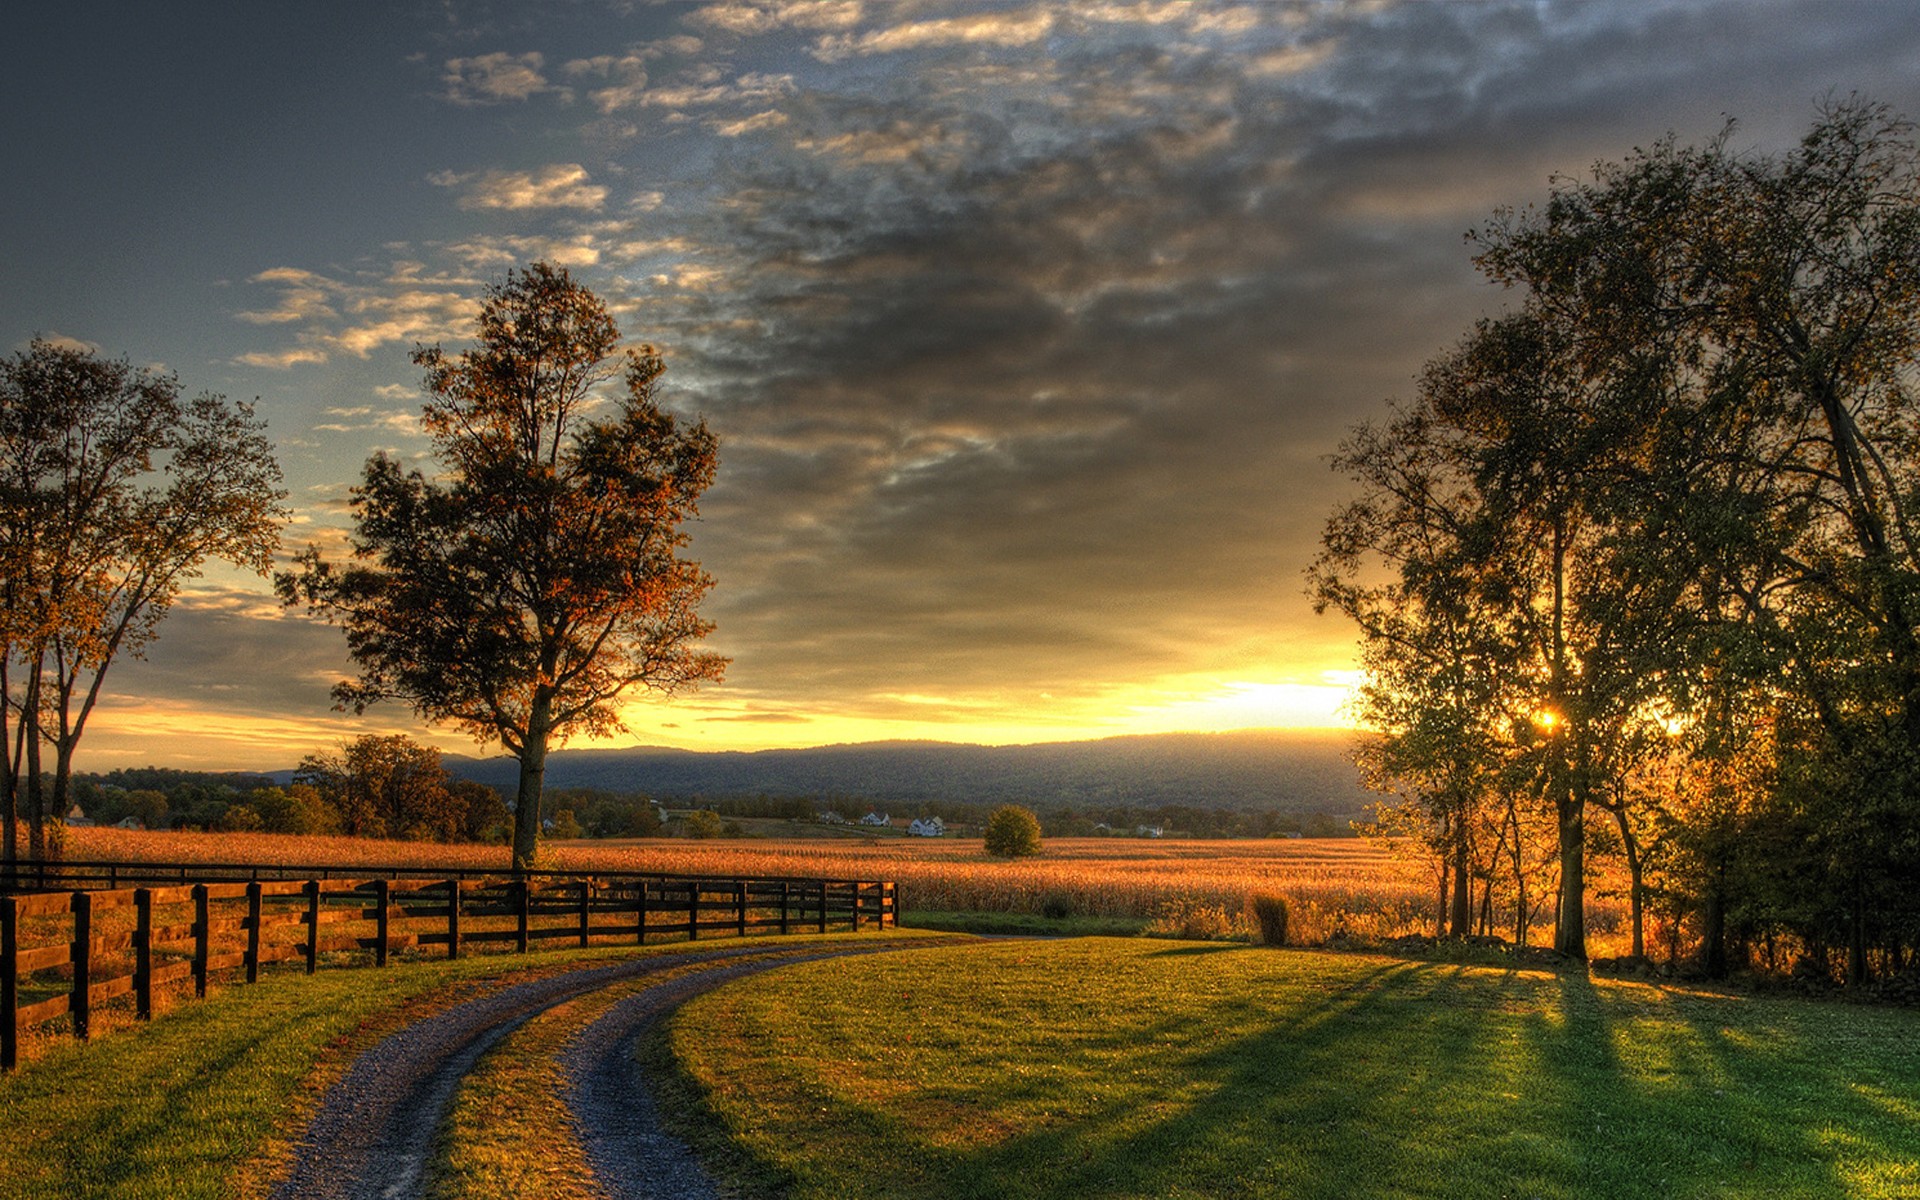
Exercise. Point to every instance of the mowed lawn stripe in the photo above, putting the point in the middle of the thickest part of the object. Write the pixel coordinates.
(1128, 1068)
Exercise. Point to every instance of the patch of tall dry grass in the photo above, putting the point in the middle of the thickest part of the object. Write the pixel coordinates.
(1330, 884)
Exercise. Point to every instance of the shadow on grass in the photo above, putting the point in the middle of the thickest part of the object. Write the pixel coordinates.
(1447, 1080)
(157, 1098)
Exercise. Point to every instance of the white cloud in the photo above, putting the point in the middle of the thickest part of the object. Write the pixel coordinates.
(576, 250)
(768, 119)
(754, 17)
(496, 78)
(61, 341)
(281, 360)
(626, 75)
(706, 90)
(992, 29)
(404, 306)
(560, 185)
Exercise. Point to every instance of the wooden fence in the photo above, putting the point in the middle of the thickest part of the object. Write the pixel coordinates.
(71, 942)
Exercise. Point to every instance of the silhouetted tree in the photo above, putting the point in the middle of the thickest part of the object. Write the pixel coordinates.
(114, 492)
(536, 581)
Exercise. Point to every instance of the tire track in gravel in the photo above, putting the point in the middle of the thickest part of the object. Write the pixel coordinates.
(374, 1132)
(612, 1106)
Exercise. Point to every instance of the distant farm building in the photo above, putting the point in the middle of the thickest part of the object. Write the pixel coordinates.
(928, 827)
(876, 818)
(831, 818)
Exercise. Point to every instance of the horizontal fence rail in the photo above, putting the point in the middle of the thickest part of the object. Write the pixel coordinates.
(65, 952)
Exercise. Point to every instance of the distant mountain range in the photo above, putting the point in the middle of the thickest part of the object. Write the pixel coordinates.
(1288, 771)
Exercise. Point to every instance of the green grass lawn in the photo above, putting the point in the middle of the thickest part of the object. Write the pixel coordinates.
(196, 1103)
(1132, 1068)
(1021, 924)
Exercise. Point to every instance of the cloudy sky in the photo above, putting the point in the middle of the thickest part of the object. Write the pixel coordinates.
(1026, 327)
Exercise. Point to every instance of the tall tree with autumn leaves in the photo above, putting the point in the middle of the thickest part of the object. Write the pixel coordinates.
(537, 580)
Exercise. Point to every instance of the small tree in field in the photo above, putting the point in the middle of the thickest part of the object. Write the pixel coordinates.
(1013, 832)
(534, 582)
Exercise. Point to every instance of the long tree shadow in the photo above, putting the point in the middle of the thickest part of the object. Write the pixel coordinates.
(1439, 1080)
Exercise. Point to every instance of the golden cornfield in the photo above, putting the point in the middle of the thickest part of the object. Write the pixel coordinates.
(1330, 884)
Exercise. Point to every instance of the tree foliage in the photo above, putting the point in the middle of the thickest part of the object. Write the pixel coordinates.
(388, 787)
(114, 494)
(1663, 514)
(1012, 832)
(535, 582)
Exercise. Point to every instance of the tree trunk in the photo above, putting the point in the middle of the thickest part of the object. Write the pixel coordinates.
(1713, 929)
(1636, 898)
(1462, 894)
(1570, 929)
(533, 773)
(9, 767)
(36, 788)
(1857, 973)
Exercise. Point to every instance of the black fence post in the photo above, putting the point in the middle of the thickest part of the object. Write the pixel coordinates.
(313, 925)
(253, 931)
(82, 1003)
(9, 982)
(143, 953)
(381, 892)
(201, 934)
(453, 918)
(521, 889)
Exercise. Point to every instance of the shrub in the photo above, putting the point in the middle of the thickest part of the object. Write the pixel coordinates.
(1267, 913)
(1013, 832)
(1193, 920)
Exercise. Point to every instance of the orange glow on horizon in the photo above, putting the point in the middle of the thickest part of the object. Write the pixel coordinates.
(130, 732)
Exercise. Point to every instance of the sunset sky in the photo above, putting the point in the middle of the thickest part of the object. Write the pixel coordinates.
(1025, 328)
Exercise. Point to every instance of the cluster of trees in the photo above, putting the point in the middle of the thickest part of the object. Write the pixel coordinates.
(394, 787)
(1637, 571)
(114, 492)
(374, 786)
(1183, 820)
(1192, 821)
(518, 593)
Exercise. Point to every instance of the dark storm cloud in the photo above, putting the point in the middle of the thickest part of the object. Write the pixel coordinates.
(1029, 362)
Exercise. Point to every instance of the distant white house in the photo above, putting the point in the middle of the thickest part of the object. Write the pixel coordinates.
(1149, 831)
(130, 823)
(876, 818)
(928, 827)
(831, 818)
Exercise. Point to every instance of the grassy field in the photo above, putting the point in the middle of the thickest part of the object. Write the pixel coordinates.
(1122, 1068)
(200, 1102)
(1082, 1068)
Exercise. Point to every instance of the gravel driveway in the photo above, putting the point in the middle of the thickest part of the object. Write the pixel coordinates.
(374, 1132)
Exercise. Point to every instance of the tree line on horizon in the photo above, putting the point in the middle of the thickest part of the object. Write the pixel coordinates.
(1637, 569)
(392, 787)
